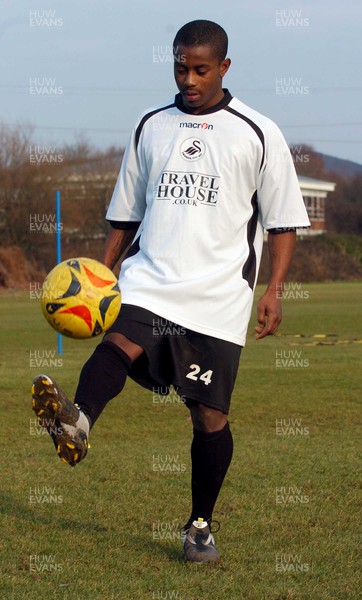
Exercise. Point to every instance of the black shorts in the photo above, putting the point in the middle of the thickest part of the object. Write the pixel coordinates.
(200, 367)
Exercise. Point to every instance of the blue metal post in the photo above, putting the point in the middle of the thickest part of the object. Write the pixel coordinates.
(59, 252)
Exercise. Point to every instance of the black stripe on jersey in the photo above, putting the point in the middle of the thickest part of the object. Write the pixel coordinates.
(277, 230)
(133, 249)
(249, 268)
(148, 116)
(257, 130)
(126, 225)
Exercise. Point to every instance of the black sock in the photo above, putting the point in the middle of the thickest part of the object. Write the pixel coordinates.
(211, 455)
(101, 379)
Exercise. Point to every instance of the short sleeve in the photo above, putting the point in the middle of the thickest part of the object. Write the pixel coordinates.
(128, 202)
(280, 200)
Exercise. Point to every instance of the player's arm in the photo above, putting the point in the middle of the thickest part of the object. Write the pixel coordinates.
(117, 243)
(269, 308)
(127, 206)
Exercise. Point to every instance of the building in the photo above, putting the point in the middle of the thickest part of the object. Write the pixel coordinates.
(314, 192)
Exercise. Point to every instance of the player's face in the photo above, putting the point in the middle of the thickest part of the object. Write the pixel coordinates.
(198, 75)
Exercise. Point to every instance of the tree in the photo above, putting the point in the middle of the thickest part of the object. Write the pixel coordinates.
(344, 206)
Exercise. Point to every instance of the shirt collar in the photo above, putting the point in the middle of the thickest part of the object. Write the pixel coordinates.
(225, 100)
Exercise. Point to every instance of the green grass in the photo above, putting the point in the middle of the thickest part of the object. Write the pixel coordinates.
(100, 530)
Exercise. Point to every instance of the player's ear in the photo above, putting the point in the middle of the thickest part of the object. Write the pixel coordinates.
(224, 66)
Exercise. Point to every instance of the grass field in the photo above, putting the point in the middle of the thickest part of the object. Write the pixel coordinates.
(107, 529)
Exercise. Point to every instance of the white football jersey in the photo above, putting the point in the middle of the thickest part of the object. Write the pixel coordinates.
(203, 187)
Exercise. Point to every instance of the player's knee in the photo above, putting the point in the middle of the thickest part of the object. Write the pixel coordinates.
(132, 350)
(205, 418)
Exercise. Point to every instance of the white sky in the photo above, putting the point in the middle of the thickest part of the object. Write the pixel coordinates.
(110, 60)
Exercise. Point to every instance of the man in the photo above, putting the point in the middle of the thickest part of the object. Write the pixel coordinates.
(201, 178)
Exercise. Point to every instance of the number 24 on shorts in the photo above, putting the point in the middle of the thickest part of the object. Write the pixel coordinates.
(195, 370)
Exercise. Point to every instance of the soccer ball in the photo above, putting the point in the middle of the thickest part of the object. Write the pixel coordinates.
(80, 298)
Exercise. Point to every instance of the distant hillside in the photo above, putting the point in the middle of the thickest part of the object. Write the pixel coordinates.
(346, 168)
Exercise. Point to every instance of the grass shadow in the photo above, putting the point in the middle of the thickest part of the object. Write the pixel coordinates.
(9, 506)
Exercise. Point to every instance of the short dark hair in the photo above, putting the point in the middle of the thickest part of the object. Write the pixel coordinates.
(203, 33)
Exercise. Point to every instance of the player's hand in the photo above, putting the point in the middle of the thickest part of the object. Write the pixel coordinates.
(269, 314)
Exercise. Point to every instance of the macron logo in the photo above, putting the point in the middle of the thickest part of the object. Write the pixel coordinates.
(191, 125)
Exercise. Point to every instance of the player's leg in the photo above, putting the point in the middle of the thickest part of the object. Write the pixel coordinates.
(104, 374)
(205, 372)
(211, 454)
(102, 378)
